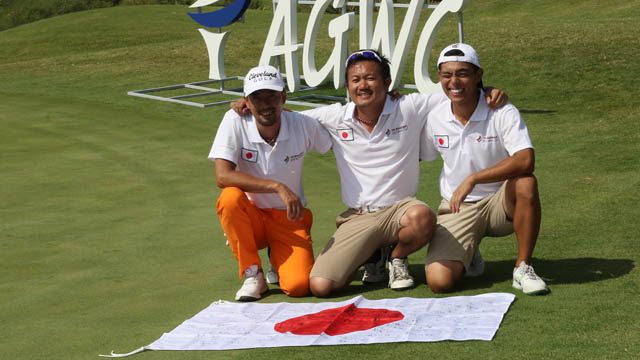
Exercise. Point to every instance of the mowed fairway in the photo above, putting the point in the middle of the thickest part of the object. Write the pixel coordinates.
(108, 230)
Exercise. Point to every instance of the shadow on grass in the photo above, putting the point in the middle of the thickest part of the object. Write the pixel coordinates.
(525, 111)
(562, 271)
(353, 289)
(357, 287)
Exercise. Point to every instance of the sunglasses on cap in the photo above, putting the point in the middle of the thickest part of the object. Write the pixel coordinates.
(363, 54)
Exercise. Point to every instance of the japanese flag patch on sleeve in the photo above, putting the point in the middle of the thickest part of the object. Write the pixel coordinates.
(442, 141)
(345, 134)
(249, 155)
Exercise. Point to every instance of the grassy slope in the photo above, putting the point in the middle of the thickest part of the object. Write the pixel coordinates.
(109, 235)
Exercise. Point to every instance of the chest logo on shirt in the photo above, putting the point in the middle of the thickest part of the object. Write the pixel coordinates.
(442, 141)
(481, 138)
(345, 134)
(249, 155)
(293, 157)
(395, 131)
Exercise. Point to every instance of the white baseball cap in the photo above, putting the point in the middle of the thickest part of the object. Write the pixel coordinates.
(468, 54)
(262, 77)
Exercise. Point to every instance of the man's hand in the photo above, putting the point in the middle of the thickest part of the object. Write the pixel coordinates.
(295, 210)
(394, 94)
(240, 107)
(460, 194)
(496, 98)
(518, 164)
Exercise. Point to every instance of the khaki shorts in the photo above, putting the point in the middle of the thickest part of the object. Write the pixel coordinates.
(359, 234)
(458, 235)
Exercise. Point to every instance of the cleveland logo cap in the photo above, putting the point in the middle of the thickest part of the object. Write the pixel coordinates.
(263, 77)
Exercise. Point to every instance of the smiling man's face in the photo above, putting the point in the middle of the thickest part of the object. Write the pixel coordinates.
(460, 81)
(366, 85)
(266, 105)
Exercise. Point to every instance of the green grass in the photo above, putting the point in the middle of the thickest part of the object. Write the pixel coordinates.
(108, 232)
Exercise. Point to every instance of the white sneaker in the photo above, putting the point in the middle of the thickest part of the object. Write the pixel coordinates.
(376, 272)
(399, 278)
(476, 268)
(525, 279)
(272, 275)
(253, 286)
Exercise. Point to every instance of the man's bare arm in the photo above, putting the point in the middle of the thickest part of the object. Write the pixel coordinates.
(520, 163)
(227, 175)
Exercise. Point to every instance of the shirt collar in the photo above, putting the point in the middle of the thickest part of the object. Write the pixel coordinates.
(481, 113)
(389, 106)
(482, 110)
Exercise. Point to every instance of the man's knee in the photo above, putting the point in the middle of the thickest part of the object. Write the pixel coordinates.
(295, 287)
(230, 198)
(321, 287)
(442, 276)
(526, 188)
(421, 218)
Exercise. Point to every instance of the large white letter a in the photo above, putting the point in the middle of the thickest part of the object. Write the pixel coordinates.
(284, 23)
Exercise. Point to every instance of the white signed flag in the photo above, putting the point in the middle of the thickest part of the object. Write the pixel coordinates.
(227, 325)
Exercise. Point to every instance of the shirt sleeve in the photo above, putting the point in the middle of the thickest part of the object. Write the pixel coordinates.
(325, 115)
(318, 138)
(515, 135)
(226, 144)
(423, 104)
(428, 151)
(426, 102)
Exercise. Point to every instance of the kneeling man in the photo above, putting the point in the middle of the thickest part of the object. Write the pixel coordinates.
(487, 180)
(258, 163)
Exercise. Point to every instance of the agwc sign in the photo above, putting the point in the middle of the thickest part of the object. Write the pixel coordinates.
(282, 38)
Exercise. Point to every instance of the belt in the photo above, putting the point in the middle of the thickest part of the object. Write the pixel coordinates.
(370, 208)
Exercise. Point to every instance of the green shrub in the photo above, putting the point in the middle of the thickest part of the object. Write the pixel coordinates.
(255, 4)
(18, 12)
(159, 2)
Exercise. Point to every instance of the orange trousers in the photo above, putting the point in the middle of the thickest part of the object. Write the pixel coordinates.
(250, 229)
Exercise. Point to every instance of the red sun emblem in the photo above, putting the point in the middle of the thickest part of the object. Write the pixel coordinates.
(249, 155)
(345, 134)
(338, 321)
(441, 141)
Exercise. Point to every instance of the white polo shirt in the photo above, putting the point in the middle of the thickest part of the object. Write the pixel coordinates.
(239, 141)
(382, 167)
(489, 137)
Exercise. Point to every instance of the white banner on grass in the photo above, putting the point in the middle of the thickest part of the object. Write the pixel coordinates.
(227, 325)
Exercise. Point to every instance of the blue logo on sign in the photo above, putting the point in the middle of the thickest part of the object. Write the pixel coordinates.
(222, 17)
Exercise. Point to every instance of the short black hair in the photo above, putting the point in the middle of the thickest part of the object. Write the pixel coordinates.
(385, 68)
